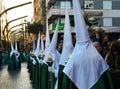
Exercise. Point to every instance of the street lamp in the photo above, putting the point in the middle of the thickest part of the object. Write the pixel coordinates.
(11, 32)
(7, 35)
(16, 36)
(9, 10)
(10, 22)
(14, 7)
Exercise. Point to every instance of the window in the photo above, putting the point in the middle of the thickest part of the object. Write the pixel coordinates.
(116, 5)
(107, 5)
(116, 21)
(64, 3)
(107, 21)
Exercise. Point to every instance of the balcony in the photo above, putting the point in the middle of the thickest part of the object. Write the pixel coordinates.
(56, 11)
(111, 13)
(94, 12)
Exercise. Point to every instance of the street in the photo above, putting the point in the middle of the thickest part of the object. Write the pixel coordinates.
(15, 79)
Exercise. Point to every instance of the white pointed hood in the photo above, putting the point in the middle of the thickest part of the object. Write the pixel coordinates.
(67, 42)
(42, 45)
(33, 46)
(85, 65)
(54, 52)
(47, 42)
(36, 53)
(53, 44)
(80, 26)
(16, 48)
(12, 49)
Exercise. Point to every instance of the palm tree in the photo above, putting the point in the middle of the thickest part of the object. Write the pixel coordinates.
(34, 27)
(89, 22)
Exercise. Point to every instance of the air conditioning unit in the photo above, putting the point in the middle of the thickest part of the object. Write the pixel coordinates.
(89, 6)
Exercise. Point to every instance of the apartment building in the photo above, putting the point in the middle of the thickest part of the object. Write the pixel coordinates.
(110, 20)
(55, 10)
(37, 10)
(111, 12)
(40, 11)
(107, 10)
(39, 15)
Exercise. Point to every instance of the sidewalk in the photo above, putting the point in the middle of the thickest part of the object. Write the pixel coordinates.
(15, 79)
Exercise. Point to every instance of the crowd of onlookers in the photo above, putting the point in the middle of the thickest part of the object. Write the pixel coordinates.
(110, 51)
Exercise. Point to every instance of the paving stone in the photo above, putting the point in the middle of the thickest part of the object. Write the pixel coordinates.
(15, 79)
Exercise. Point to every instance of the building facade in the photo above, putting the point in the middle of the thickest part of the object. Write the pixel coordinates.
(37, 10)
(39, 16)
(107, 10)
(111, 13)
(40, 11)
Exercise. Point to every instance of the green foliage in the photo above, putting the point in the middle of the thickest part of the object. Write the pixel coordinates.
(34, 27)
(89, 22)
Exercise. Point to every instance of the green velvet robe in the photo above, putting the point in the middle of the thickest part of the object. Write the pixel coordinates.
(6, 57)
(104, 82)
(44, 77)
(63, 81)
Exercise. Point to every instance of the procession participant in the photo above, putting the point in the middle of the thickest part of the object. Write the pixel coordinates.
(17, 57)
(22, 55)
(86, 68)
(36, 72)
(11, 64)
(1, 58)
(6, 56)
(49, 69)
(67, 49)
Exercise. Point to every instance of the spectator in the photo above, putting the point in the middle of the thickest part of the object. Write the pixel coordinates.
(99, 48)
(106, 43)
(99, 37)
(113, 60)
(113, 56)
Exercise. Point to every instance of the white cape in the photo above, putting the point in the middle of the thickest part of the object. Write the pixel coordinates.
(85, 66)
